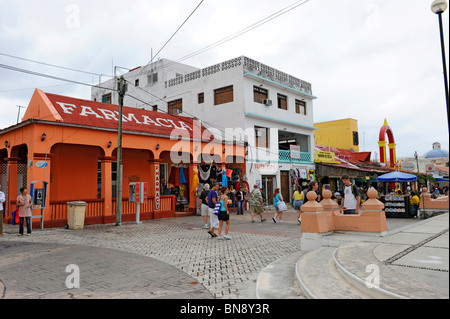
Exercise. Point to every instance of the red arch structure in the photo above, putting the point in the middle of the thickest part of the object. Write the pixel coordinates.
(386, 130)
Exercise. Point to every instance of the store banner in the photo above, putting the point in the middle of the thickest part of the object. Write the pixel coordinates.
(325, 157)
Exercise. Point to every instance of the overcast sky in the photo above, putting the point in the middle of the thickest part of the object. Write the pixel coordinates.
(366, 60)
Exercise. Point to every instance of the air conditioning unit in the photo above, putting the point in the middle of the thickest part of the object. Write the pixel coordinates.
(177, 111)
(267, 102)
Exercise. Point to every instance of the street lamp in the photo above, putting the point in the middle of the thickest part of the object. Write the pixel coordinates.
(438, 7)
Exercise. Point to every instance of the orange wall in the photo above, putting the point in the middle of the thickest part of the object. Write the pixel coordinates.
(74, 172)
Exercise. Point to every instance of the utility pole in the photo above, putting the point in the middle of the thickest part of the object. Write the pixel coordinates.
(121, 91)
(18, 113)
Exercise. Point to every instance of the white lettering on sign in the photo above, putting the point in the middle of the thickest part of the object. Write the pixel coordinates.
(67, 108)
(99, 113)
(157, 188)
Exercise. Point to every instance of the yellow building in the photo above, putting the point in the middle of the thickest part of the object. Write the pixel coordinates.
(340, 134)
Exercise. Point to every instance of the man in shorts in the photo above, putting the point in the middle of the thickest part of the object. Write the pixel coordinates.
(256, 204)
(213, 199)
(204, 207)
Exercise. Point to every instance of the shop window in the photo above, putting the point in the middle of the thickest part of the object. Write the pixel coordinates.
(282, 102)
(261, 137)
(223, 95)
(260, 94)
(175, 107)
(300, 107)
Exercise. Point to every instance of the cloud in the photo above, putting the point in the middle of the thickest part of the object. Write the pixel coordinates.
(366, 59)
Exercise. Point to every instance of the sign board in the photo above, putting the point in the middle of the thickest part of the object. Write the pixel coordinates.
(324, 157)
(41, 164)
(429, 168)
(408, 166)
(295, 152)
(157, 188)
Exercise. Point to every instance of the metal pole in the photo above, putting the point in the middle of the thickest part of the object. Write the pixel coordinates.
(119, 155)
(444, 63)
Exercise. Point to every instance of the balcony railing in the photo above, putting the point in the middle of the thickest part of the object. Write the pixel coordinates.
(285, 157)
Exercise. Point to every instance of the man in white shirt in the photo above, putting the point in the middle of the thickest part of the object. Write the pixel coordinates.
(2, 200)
(352, 199)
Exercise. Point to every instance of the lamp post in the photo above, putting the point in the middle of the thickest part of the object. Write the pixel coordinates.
(438, 7)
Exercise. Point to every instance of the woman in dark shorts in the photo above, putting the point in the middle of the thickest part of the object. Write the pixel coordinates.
(224, 214)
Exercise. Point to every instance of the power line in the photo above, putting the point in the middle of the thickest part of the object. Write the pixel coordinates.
(167, 42)
(233, 36)
(12, 68)
(52, 65)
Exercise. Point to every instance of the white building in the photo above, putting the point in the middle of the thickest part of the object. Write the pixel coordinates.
(246, 101)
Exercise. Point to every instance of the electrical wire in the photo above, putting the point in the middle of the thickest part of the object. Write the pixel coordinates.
(232, 36)
(173, 35)
(53, 65)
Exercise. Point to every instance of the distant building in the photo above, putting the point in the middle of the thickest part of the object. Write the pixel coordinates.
(341, 134)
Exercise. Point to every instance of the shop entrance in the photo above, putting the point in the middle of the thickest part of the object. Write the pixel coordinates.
(285, 186)
(269, 183)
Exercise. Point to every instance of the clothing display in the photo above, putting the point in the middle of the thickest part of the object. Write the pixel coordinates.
(182, 177)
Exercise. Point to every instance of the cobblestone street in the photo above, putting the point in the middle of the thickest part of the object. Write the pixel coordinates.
(227, 269)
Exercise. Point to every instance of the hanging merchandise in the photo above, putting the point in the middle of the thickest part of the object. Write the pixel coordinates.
(182, 177)
(174, 177)
(303, 174)
(214, 172)
(224, 178)
(195, 181)
(312, 175)
(204, 175)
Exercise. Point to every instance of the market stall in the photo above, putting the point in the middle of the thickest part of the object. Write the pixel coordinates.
(397, 204)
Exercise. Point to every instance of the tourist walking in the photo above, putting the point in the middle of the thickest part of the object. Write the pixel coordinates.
(224, 213)
(256, 204)
(277, 199)
(212, 201)
(24, 203)
(241, 200)
(352, 199)
(204, 207)
(298, 202)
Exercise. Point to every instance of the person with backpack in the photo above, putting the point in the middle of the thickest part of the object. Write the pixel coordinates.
(352, 199)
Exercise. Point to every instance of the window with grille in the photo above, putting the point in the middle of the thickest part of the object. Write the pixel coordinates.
(260, 94)
(223, 95)
(300, 107)
(282, 102)
(175, 107)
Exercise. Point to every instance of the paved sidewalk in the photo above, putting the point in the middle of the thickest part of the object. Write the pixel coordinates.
(167, 258)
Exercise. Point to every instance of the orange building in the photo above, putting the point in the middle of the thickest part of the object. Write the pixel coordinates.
(78, 141)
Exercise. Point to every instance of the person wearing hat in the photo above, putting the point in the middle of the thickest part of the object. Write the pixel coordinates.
(204, 207)
(2, 200)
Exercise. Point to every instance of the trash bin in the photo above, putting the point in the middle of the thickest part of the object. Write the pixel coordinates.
(75, 214)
